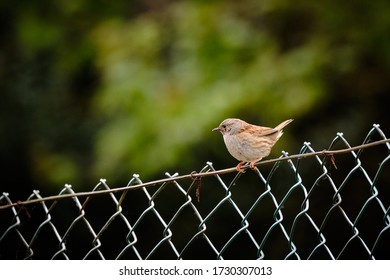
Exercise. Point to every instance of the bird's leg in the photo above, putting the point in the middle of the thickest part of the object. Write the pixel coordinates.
(252, 164)
(238, 167)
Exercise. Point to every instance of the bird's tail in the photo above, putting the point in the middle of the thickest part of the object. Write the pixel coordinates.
(283, 124)
(280, 127)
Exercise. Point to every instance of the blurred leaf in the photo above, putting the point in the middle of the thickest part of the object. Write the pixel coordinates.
(110, 89)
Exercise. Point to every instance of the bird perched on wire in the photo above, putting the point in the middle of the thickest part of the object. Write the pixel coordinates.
(247, 142)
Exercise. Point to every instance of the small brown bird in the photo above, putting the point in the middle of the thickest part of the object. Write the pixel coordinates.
(247, 142)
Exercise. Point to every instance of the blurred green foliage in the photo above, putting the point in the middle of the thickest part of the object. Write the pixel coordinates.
(92, 89)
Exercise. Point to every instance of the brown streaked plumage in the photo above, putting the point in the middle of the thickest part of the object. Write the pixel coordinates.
(247, 142)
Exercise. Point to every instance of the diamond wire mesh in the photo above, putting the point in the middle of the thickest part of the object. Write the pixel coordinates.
(318, 207)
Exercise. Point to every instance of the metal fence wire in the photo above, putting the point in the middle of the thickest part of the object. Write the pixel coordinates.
(312, 205)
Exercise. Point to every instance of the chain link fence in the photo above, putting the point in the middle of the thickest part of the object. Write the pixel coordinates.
(331, 204)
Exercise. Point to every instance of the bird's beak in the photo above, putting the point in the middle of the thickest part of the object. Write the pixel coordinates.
(216, 129)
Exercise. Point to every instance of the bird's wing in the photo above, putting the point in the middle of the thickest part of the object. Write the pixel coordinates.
(260, 130)
(267, 131)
